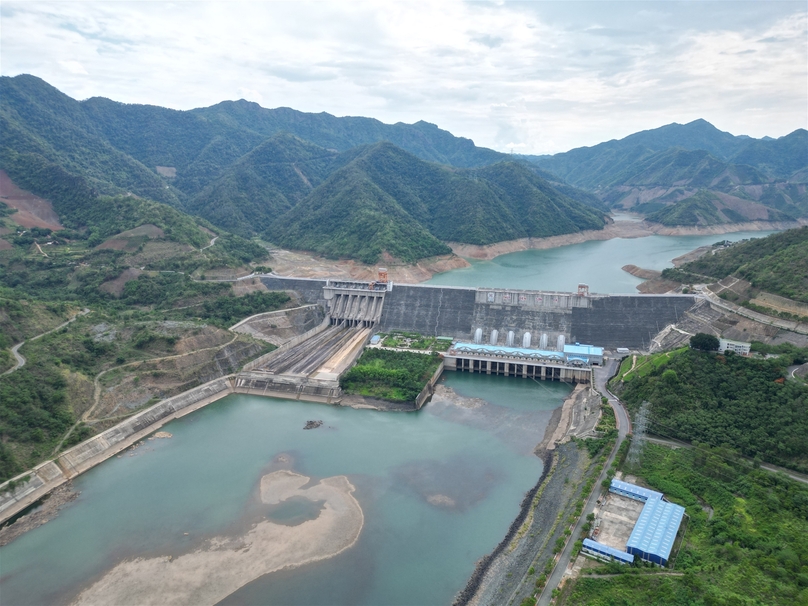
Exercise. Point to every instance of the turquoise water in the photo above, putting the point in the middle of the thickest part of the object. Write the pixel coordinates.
(203, 482)
(597, 263)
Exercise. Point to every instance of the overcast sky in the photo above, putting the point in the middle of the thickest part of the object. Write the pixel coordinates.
(535, 77)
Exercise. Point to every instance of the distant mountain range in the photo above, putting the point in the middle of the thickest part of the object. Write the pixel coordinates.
(358, 188)
(343, 187)
(693, 164)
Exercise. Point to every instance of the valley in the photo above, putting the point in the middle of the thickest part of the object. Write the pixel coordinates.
(217, 273)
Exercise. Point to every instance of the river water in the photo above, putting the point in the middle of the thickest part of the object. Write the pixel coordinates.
(202, 480)
(168, 496)
(597, 263)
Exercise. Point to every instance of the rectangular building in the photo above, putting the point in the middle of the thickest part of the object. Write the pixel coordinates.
(739, 347)
(632, 491)
(588, 354)
(653, 535)
(604, 551)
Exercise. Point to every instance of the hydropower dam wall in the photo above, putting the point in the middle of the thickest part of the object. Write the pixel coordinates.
(605, 320)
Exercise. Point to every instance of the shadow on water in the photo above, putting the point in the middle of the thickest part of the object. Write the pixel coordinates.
(455, 484)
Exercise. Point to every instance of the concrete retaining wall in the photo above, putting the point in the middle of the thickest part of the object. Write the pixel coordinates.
(88, 454)
(429, 388)
(276, 327)
(429, 310)
(627, 320)
(308, 290)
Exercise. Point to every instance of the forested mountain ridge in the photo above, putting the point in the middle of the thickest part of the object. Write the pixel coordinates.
(777, 264)
(651, 170)
(36, 118)
(263, 184)
(255, 171)
(387, 193)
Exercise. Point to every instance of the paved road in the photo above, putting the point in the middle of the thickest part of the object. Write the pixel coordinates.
(601, 376)
(791, 325)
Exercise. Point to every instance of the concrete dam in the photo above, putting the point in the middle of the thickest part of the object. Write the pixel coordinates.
(495, 316)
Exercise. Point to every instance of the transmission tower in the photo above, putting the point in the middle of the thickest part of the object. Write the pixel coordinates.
(638, 439)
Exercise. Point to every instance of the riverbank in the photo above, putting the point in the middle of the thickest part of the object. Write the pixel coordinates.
(536, 525)
(303, 264)
(224, 564)
(618, 229)
(24, 490)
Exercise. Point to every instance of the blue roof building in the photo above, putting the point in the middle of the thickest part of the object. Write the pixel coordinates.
(632, 491)
(655, 531)
(587, 353)
(604, 551)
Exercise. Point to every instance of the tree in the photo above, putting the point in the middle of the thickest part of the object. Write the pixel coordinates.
(704, 342)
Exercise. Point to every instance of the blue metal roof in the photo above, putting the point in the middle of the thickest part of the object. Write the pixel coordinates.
(583, 350)
(511, 352)
(641, 494)
(609, 551)
(656, 528)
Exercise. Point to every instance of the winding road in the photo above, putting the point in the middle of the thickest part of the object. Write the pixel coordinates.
(16, 349)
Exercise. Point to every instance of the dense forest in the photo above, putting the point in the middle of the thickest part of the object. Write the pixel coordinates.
(726, 400)
(655, 171)
(342, 187)
(385, 199)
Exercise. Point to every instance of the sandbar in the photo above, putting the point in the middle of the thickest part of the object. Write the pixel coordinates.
(225, 564)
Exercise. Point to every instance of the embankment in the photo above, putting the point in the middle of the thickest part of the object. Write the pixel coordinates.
(485, 563)
(24, 490)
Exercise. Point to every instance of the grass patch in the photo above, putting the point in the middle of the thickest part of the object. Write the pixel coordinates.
(390, 375)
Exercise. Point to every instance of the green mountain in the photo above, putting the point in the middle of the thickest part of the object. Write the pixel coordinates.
(36, 118)
(394, 202)
(650, 170)
(707, 208)
(309, 181)
(264, 183)
(776, 264)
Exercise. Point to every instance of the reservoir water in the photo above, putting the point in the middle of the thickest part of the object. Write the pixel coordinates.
(438, 490)
(597, 263)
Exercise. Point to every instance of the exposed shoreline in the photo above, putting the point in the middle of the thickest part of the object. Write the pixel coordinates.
(554, 434)
(617, 229)
(225, 564)
(302, 264)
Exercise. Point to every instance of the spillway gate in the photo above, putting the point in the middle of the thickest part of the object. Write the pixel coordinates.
(354, 304)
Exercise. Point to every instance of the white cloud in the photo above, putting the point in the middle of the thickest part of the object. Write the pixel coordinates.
(74, 67)
(538, 77)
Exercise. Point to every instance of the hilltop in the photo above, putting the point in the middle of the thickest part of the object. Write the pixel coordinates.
(269, 172)
(653, 172)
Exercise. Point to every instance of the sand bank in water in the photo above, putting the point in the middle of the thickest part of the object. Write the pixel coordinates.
(224, 564)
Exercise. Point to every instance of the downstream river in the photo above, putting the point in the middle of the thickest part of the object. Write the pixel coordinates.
(597, 263)
(411, 500)
(437, 489)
